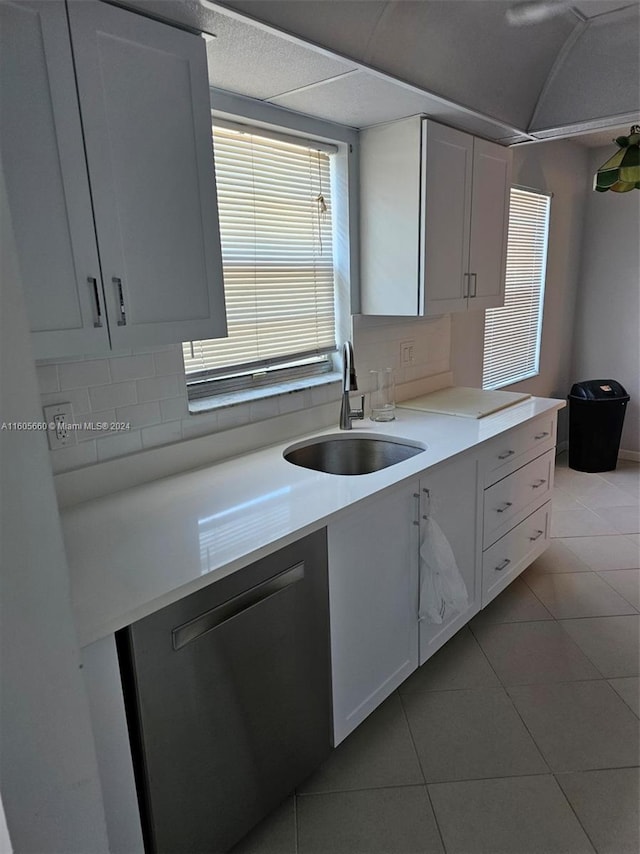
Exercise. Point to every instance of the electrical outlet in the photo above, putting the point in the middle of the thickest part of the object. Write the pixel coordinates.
(60, 431)
(406, 352)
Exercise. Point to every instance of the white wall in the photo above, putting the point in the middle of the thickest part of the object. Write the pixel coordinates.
(49, 784)
(560, 168)
(607, 327)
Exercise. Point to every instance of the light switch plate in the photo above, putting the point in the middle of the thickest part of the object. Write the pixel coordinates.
(406, 352)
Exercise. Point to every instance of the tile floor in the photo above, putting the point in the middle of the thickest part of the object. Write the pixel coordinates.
(520, 736)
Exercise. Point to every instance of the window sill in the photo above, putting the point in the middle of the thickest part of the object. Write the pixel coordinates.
(224, 401)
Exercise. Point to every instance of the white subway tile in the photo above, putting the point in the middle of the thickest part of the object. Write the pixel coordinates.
(132, 367)
(265, 408)
(169, 361)
(111, 396)
(47, 378)
(140, 415)
(199, 425)
(158, 388)
(291, 402)
(95, 424)
(174, 408)
(161, 434)
(234, 416)
(119, 445)
(77, 397)
(74, 457)
(83, 374)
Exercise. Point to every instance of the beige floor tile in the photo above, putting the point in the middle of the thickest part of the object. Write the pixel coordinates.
(579, 726)
(578, 594)
(376, 821)
(606, 803)
(613, 552)
(465, 735)
(563, 500)
(626, 520)
(459, 664)
(612, 643)
(579, 523)
(378, 753)
(517, 603)
(604, 494)
(525, 815)
(557, 558)
(525, 653)
(629, 689)
(626, 582)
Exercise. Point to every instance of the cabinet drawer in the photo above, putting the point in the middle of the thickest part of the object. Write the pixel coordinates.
(509, 497)
(514, 552)
(532, 438)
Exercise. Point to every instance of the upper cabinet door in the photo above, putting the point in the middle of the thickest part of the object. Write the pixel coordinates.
(44, 165)
(446, 212)
(489, 224)
(144, 99)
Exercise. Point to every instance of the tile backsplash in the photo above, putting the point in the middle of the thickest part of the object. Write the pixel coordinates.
(146, 391)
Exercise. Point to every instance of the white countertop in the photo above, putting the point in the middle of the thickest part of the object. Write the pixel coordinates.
(136, 551)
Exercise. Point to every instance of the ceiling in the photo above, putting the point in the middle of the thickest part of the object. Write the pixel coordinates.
(360, 62)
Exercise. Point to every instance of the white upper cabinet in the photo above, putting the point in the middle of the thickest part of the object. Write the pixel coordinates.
(434, 214)
(144, 112)
(44, 166)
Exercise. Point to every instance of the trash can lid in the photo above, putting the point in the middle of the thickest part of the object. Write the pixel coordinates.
(598, 390)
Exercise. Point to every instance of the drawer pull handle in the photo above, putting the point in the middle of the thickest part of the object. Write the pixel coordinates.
(505, 563)
(120, 297)
(507, 454)
(538, 483)
(542, 435)
(537, 535)
(504, 507)
(94, 284)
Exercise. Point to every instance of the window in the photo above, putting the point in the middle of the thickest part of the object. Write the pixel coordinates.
(512, 332)
(274, 199)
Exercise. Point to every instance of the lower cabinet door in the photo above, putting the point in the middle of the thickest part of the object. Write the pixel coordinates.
(373, 587)
(449, 545)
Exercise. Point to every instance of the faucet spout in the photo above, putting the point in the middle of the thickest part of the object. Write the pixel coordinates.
(349, 384)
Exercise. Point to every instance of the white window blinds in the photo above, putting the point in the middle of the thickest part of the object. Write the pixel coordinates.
(512, 332)
(276, 234)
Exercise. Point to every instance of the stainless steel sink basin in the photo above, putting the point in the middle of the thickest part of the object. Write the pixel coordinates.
(351, 454)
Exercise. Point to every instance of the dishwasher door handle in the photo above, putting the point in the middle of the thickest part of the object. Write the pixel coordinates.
(190, 631)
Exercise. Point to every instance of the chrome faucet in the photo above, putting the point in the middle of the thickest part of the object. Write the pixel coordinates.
(349, 384)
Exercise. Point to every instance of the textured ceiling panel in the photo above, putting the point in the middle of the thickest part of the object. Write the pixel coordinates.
(342, 25)
(467, 52)
(599, 77)
(591, 8)
(241, 54)
(362, 99)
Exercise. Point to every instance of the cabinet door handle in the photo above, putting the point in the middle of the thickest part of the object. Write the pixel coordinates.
(504, 507)
(542, 435)
(505, 563)
(475, 285)
(505, 455)
(123, 317)
(94, 284)
(466, 287)
(536, 536)
(538, 483)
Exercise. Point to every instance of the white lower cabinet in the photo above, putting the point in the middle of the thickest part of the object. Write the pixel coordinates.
(448, 497)
(373, 603)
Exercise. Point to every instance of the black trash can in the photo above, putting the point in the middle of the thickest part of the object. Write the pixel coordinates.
(596, 415)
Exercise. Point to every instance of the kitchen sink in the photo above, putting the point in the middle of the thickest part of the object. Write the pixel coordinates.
(338, 453)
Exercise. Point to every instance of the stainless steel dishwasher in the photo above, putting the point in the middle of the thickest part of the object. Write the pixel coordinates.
(228, 699)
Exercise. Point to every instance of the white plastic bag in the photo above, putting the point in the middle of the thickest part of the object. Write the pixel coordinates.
(442, 588)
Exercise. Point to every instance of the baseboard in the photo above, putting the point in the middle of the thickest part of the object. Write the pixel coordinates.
(629, 455)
